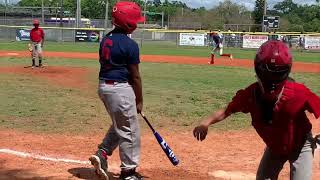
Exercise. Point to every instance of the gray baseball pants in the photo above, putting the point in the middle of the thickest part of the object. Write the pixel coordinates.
(36, 50)
(120, 103)
(300, 163)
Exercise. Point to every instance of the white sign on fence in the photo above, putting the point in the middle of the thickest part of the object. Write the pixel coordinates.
(254, 41)
(192, 39)
(312, 42)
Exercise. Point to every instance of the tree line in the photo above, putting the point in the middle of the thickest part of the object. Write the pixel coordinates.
(293, 16)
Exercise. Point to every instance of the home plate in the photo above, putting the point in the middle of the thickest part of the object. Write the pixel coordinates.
(232, 175)
(12, 54)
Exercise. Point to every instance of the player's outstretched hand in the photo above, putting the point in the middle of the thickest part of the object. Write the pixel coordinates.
(200, 132)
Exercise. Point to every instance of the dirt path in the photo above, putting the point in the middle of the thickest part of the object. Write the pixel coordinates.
(223, 154)
(72, 77)
(233, 151)
(297, 66)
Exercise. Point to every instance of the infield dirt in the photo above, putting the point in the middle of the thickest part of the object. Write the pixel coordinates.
(229, 151)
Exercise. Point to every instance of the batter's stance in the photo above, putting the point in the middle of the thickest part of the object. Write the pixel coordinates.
(37, 40)
(277, 108)
(217, 44)
(121, 92)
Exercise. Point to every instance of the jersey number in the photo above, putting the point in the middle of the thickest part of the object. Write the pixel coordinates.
(106, 49)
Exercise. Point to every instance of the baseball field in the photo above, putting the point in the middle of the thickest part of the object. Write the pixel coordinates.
(51, 118)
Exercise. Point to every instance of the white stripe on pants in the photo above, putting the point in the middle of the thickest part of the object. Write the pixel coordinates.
(119, 100)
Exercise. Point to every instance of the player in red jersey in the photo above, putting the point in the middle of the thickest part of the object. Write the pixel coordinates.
(37, 40)
(277, 107)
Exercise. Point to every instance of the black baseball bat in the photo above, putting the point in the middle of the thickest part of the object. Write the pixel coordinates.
(165, 147)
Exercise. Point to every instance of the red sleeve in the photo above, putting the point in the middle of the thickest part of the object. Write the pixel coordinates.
(241, 101)
(42, 33)
(313, 103)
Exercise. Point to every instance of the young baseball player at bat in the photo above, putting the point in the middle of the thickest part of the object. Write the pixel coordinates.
(120, 90)
(217, 46)
(37, 40)
(277, 107)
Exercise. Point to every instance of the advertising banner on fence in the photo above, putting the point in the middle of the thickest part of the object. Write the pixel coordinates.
(253, 41)
(23, 35)
(87, 36)
(192, 39)
(312, 42)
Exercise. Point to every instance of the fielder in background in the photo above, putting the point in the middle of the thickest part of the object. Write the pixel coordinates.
(120, 90)
(37, 40)
(277, 107)
(217, 43)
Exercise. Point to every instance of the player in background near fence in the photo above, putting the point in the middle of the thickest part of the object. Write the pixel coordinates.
(301, 42)
(37, 40)
(120, 90)
(217, 44)
(277, 107)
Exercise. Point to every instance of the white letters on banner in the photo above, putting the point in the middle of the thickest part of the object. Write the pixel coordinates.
(253, 41)
(312, 42)
(192, 39)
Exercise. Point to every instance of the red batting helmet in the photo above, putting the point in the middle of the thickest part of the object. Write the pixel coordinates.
(126, 15)
(273, 63)
(36, 22)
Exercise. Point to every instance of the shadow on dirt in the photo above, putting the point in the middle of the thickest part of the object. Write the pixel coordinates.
(89, 173)
(20, 174)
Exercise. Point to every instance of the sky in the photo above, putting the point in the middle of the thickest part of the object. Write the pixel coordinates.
(211, 3)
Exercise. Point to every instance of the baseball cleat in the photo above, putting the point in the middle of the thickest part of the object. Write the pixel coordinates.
(99, 161)
(133, 177)
(317, 139)
(130, 175)
(100, 170)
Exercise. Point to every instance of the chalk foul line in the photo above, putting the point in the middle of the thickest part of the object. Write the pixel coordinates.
(46, 158)
(217, 174)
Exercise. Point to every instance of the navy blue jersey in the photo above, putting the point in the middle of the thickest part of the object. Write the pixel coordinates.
(217, 38)
(117, 51)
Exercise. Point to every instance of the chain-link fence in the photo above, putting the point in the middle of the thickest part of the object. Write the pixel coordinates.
(10, 33)
(158, 37)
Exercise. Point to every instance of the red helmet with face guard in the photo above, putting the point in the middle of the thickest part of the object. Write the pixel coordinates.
(272, 64)
(126, 16)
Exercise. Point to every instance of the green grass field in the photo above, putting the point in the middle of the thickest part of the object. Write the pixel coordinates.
(175, 96)
(157, 48)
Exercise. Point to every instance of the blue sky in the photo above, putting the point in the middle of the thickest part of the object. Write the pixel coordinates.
(211, 3)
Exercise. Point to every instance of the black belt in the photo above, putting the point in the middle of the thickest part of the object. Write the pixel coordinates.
(113, 82)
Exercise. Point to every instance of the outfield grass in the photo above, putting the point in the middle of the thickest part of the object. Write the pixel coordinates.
(157, 48)
(175, 96)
